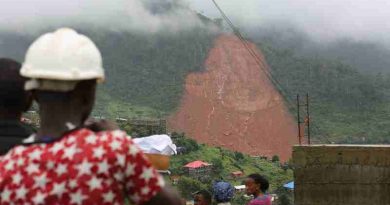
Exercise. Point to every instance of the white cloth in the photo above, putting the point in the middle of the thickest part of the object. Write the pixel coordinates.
(156, 144)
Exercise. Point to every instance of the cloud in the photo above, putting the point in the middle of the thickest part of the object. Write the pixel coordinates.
(324, 20)
(135, 15)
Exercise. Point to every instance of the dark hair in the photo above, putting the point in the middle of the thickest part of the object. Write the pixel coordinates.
(260, 180)
(13, 97)
(66, 97)
(206, 195)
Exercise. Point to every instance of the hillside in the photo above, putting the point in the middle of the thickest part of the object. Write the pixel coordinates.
(147, 76)
(225, 162)
(150, 70)
(368, 57)
(145, 73)
(233, 104)
(347, 106)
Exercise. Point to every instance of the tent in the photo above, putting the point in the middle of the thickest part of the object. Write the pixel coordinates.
(289, 185)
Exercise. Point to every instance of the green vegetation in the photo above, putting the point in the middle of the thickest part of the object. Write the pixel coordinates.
(224, 162)
(187, 186)
(145, 71)
(367, 57)
(110, 107)
(346, 106)
(146, 75)
(149, 70)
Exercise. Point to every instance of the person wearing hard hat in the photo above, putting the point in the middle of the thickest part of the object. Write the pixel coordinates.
(65, 162)
(14, 100)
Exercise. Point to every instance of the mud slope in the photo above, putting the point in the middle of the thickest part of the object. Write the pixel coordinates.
(232, 104)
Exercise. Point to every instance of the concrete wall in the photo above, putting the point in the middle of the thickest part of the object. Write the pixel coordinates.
(342, 174)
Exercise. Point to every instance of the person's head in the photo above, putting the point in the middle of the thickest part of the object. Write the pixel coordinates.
(255, 184)
(79, 100)
(202, 197)
(223, 192)
(14, 100)
(63, 68)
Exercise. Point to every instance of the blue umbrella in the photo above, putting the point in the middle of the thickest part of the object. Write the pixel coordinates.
(289, 185)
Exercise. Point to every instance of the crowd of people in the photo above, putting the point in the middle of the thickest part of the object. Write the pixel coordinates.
(223, 192)
(71, 159)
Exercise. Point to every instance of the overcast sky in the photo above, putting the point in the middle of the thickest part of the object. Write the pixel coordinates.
(360, 19)
(135, 15)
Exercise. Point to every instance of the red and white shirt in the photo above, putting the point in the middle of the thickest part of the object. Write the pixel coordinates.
(83, 167)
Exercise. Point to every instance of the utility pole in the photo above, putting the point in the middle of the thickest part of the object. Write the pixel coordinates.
(299, 121)
(308, 117)
(306, 122)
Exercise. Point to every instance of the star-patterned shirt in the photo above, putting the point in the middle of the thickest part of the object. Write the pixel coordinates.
(83, 167)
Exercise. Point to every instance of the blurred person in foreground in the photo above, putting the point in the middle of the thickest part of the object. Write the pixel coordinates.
(202, 197)
(257, 186)
(65, 162)
(223, 192)
(14, 100)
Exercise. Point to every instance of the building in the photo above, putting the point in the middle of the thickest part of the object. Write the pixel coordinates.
(341, 174)
(198, 169)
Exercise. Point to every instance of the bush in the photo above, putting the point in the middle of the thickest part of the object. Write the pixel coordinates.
(239, 199)
(238, 156)
(182, 141)
(186, 186)
(275, 158)
(285, 197)
(217, 166)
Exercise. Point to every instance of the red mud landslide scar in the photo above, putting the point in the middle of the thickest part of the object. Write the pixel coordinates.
(233, 104)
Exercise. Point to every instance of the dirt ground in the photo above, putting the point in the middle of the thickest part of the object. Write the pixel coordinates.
(233, 105)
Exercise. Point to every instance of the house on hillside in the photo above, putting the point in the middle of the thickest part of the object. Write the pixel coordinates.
(198, 168)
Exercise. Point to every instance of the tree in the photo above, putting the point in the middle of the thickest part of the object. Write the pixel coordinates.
(239, 199)
(275, 158)
(285, 196)
(238, 156)
(187, 186)
(182, 141)
(217, 166)
(284, 199)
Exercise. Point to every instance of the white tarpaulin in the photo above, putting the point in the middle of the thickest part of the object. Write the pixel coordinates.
(156, 144)
(240, 187)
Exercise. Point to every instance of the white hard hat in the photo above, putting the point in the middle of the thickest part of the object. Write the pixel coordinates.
(57, 61)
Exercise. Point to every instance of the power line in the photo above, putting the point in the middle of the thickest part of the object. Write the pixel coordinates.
(257, 59)
(263, 66)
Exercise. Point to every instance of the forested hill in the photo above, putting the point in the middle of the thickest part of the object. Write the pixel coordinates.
(346, 105)
(146, 74)
(150, 70)
(367, 56)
